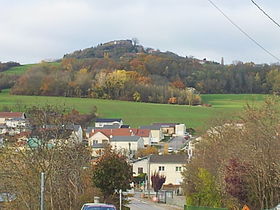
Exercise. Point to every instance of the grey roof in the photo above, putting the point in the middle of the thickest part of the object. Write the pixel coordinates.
(150, 127)
(108, 120)
(125, 138)
(115, 125)
(73, 127)
(172, 158)
(166, 125)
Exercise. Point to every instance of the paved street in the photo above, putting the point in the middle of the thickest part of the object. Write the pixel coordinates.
(139, 204)
(177, 142)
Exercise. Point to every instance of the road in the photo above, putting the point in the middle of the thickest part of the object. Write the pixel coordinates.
(138, 204)
(177, 142)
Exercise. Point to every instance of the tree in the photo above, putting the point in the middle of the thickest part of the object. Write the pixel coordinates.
(112, 173)
(136, 96)
(205, 191)
(241, 158)
(65, 163)
(157, 181)
(146, 151)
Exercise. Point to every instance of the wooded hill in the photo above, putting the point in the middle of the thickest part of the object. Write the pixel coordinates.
(125, 70)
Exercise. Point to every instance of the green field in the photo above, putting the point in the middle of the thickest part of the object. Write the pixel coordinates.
(137, 114)
(18, 70)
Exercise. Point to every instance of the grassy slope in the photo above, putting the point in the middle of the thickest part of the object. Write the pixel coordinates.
(21, 69)
(137, 114)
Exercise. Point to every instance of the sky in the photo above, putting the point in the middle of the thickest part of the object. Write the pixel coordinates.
(36, 30)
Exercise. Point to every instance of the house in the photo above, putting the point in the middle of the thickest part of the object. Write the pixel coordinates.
(90, 130)
(170, 166)
(102, 135)
(12, 123)
(97, 149)
(99, 137)
(168, 129)
(16, 122)
(156, 133)
(127, 144)
(172, 129)
(128, 140)
(101, 122)
(77, 132)
(4, 116)
(145, 134)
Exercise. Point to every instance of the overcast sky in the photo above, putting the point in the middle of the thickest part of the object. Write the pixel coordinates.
(33, 30)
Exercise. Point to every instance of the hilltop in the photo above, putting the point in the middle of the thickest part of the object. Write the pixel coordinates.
(126, 70)
(117, 50)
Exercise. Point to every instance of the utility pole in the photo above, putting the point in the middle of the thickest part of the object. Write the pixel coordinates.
(149, 178)
(120, 191)
(42, 191)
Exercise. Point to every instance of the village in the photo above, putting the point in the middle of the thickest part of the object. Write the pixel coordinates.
(172, 147)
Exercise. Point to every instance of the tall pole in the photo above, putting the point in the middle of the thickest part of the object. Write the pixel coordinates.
(149, 178)
(42, 191)
(120, 199)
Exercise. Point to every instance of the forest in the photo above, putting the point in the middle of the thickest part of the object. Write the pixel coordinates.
(125, 70)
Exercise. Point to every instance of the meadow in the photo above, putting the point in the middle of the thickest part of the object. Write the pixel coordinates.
(19, 70)
(136, 114)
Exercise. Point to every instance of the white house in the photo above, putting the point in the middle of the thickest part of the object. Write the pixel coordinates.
(4, 116)
(170, 166)
(98, 138)
(156, 133)
(101, 122)
(77, 132)
(180, 129)
(127, 144)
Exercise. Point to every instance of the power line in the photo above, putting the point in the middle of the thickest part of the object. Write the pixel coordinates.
(242, 31)
(274, 21)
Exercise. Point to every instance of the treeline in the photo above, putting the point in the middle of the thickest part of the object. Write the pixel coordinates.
(75, 78)
(204, 76)
(6, 66)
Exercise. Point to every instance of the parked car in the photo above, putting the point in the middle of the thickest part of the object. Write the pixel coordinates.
(98, 206)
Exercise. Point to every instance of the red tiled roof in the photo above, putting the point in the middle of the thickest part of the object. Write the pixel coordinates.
(143, 132)
(11, 114)
(122, 132)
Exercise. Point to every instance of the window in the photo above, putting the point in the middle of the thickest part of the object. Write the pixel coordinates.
(95, 142)
(104, 141)
(140, 170)
(161, 168)
(178, 168)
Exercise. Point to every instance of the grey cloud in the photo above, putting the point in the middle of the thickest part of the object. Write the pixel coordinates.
(34, 30)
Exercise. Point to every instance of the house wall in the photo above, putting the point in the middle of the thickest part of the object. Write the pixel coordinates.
(101, 124)
(168, 131)
(156, 136)
(15, 123)
(2, 120)
(147, 140)
(172, 176)
(126, 145)
(99, 137)
(180, 129)
(140, 164)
